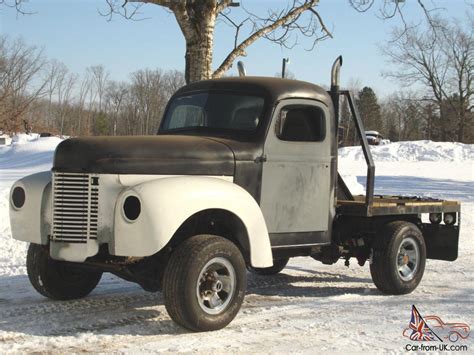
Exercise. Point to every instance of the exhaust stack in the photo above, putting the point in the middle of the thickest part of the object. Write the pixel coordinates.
(335, 72)
(335, 80)
(241, 68)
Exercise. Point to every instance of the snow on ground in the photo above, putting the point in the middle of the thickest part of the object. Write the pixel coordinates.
(308, 308)
(426, 168)
(28, 154)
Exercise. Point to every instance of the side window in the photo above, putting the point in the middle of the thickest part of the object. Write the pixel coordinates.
(300, 123)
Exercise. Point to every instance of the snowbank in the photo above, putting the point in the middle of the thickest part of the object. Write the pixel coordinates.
(27, 147)
(26, 155)
(413, 151)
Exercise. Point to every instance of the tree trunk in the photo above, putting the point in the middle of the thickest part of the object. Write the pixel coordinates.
(197, 21)
(198, 60)
(461, 126)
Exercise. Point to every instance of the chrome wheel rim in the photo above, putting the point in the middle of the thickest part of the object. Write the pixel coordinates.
(408, 257)
(215, 287)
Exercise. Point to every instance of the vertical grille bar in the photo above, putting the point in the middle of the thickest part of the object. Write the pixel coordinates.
(75, 208)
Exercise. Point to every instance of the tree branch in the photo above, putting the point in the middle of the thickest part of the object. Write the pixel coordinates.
(286, 20)
(130, 9)
(237, 27)
(223, 4)
(17, 5)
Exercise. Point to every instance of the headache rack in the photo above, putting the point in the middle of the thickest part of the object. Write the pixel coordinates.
(370, 204)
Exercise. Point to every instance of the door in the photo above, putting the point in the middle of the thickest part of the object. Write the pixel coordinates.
(296, 189)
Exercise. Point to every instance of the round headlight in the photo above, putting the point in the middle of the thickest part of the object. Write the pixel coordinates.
(132, 208)
(449, 218)
(435, 218)
(18, 197)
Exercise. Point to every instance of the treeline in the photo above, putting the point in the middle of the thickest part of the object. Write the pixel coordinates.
(438, 60)
(44, 96)
(405, 115)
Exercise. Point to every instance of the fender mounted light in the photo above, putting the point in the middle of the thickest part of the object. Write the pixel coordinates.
(132, 208)
(18, 197)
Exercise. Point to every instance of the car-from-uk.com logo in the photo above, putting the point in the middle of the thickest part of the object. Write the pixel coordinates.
(433, 329)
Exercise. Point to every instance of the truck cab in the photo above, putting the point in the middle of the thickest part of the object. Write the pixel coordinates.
(241, 176)
(282, 138)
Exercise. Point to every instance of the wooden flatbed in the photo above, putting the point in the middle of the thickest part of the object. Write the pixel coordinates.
(394, 205)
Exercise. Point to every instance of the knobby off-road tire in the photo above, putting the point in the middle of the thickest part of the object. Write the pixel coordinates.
(398, 258)
(204, 283)
(58, 280)
(278, 265)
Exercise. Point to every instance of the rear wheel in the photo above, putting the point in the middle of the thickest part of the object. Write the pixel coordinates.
(398, 258)
(56, 279)
(204, 283)
(278, 265)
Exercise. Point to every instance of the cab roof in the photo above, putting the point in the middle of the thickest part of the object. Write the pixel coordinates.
(275, 89)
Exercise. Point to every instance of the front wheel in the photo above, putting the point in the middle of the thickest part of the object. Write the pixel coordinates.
(398, 258)
(204, 283)
(56, 279)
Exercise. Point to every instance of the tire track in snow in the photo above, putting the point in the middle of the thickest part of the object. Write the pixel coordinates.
(114, 311)
(116, 299)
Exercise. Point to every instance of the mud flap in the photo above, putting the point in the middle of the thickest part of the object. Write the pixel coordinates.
(441, 241)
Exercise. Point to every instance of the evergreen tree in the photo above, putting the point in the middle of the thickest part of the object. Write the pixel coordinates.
(370, 110)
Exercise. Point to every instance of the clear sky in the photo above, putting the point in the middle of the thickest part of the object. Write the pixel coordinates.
(73, 32)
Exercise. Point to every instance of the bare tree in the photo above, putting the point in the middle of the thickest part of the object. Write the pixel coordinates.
(173, 80)
(283, 26)
(147, 87)
(404, 113)
(197, 20)
(115, 96)
(441, 60)
(459, 51)
(21, 81)
(85, 105)
(64, 99)
(99, 77)
(55, 77)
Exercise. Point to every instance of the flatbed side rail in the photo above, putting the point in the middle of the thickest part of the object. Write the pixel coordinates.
(369, 195)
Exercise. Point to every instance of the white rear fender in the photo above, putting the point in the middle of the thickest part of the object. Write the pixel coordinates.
(165, 204)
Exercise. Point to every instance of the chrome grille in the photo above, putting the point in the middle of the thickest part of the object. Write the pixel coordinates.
(75, 208)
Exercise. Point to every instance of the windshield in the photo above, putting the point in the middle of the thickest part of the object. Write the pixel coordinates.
(217, 111)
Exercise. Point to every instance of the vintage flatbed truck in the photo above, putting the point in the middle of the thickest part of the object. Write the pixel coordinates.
(242, 175)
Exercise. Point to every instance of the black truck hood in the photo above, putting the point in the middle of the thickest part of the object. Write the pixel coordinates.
(169, 155)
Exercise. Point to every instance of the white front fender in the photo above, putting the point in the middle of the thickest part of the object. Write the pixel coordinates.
(167, 203)
(32, 222)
